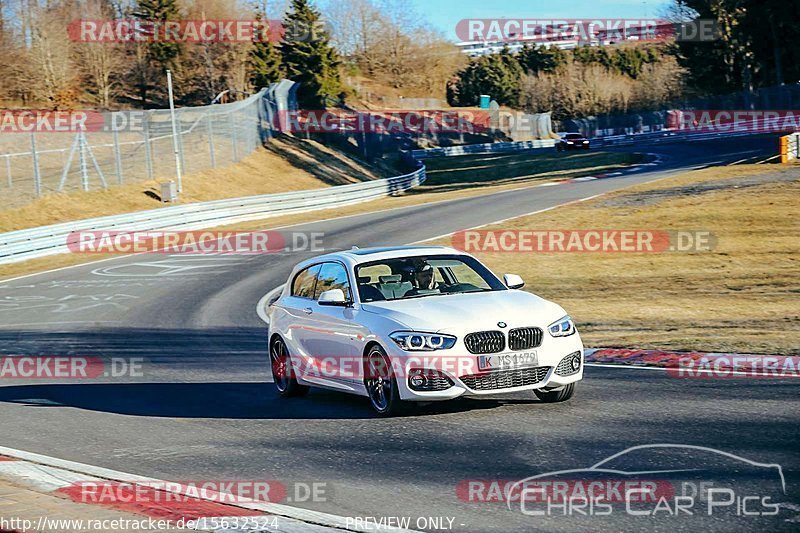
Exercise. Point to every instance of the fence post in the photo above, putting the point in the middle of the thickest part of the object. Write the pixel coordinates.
(180, 148)
(117, 156)
(148, 151)
(82, 156)
(234, 140)
(37, 176)
(254, 136)
(210, 129)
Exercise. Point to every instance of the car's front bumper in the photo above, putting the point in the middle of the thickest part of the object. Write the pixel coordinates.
(468, 381)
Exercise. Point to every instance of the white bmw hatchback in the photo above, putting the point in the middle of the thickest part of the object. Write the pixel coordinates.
(418, 324)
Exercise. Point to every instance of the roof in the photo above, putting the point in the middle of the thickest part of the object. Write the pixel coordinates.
(383, 249)
(363, 255)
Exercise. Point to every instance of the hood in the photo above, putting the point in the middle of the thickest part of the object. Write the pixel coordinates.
(460, 313)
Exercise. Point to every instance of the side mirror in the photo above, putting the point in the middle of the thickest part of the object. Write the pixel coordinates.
(332, 297)
(513, 281)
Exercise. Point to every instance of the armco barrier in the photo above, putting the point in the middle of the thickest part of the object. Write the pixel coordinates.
(664, 137)
(27, 244)
(465, 149)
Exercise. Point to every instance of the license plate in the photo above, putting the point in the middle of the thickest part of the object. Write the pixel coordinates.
(506, 361)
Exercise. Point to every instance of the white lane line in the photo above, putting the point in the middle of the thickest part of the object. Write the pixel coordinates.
(611, 365)
(512, 218)
(41, 477)
(72, 468)
(687, 372)
(261, 306)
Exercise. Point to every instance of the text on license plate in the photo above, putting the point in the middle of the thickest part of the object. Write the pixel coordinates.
(505, 361)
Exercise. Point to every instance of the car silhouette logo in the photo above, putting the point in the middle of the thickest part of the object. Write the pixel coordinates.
(608, 467)
(501, 324)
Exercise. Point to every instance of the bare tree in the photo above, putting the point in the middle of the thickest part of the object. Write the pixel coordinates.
(213, 67)
(100, 62)
(52, 56)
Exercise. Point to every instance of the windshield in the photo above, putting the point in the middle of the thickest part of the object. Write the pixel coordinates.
(423, 276)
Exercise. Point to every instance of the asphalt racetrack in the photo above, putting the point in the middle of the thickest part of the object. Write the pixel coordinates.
(205, 408)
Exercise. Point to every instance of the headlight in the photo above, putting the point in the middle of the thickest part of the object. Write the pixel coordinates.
(412, 341)
(563, 327)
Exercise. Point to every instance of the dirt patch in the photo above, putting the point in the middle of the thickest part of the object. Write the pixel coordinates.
(642, 198)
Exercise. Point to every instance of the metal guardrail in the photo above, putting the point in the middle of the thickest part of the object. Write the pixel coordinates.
(665, 136)
(465, 149)
(32, 243)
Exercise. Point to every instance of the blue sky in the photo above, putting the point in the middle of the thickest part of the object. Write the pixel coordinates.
(444, 14)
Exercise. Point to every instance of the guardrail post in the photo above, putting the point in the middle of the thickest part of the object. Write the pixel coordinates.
(117, 156)
(37, 176)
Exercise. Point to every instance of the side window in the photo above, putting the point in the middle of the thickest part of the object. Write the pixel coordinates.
(304, 281)
(332, 276)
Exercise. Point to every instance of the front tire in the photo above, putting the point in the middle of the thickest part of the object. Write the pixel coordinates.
(381, 384)
(283, 371)
(554, 396)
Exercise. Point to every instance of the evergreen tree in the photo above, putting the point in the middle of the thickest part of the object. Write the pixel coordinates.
(159, 55)
(265, 60)
(309, 58)
(497, 75)
(755, 44)
(535, 59)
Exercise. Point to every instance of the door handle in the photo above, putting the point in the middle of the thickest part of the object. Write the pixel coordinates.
(308, 310)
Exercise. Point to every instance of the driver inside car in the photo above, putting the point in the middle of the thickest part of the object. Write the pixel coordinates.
(423, 280)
